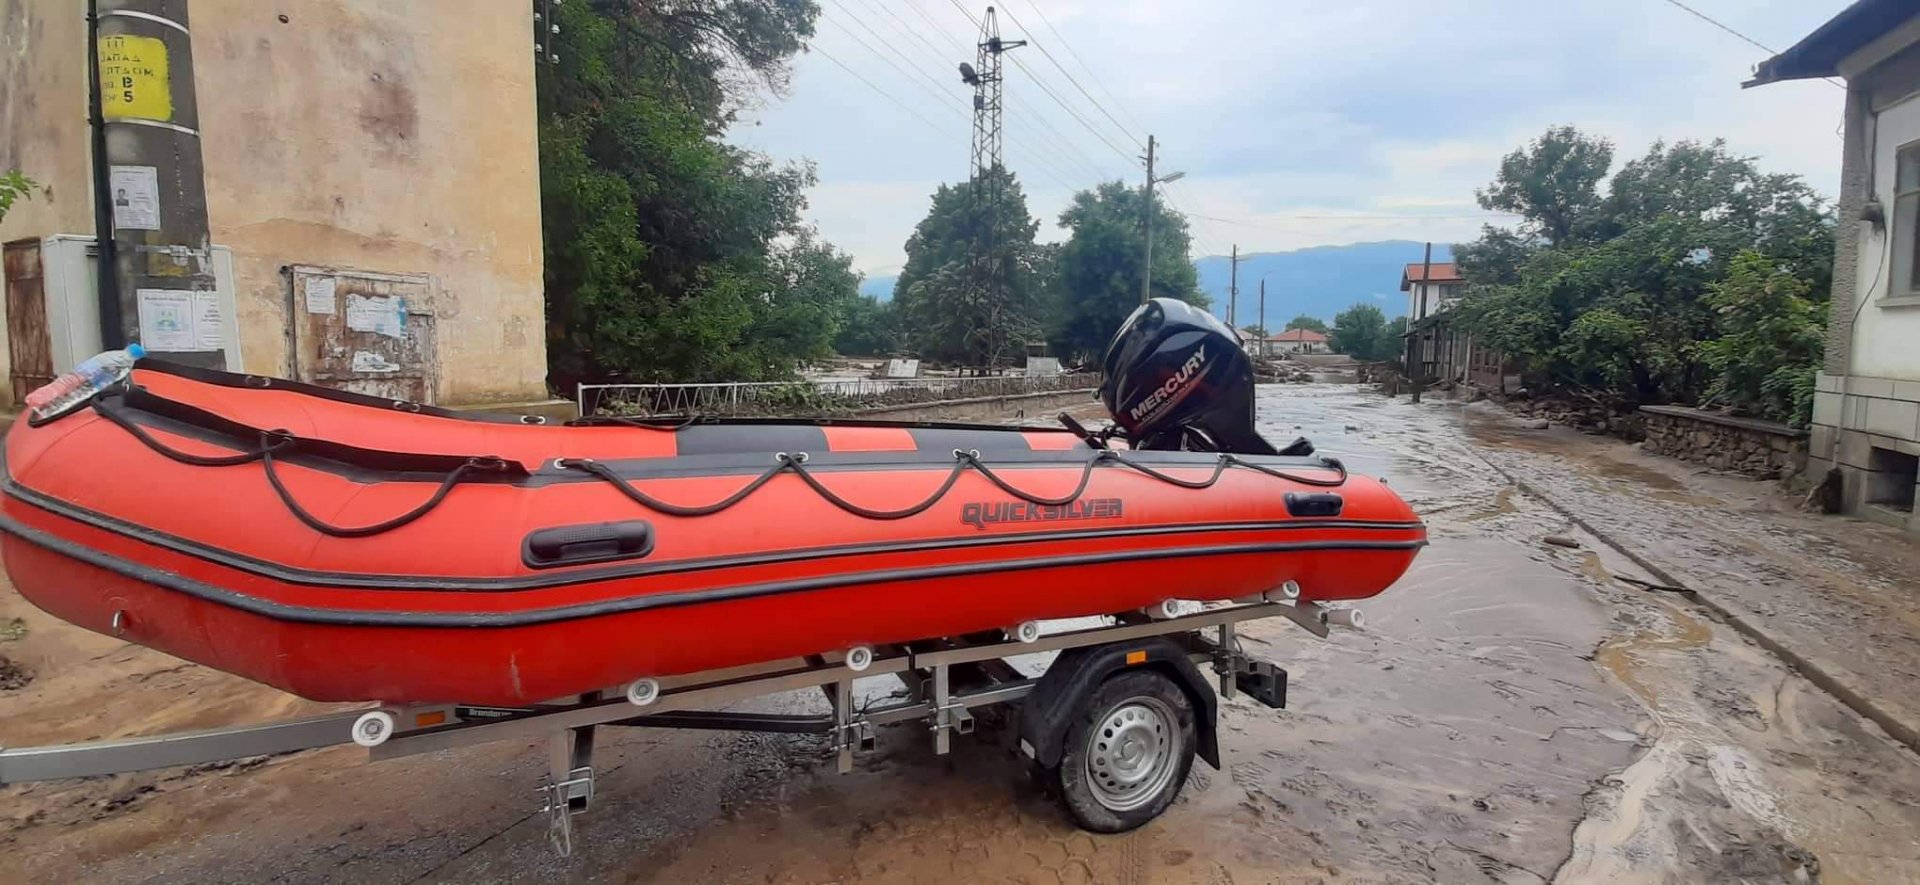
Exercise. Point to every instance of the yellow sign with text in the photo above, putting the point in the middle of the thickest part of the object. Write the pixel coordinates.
(133, 78)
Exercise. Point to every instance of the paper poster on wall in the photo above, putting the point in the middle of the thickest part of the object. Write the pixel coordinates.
(136, 198)
(372, 363)
(166, 319)
(379, 314)
(320, 294)
(209, 322)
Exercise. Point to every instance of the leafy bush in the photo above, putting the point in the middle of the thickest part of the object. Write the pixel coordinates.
(13, 186)
(1772, 335)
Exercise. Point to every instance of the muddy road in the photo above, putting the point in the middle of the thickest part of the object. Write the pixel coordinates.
(1517, 711)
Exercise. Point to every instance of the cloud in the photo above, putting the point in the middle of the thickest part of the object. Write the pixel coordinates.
(1303, 122)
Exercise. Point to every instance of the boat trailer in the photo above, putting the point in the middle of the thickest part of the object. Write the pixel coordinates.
(1114, 767)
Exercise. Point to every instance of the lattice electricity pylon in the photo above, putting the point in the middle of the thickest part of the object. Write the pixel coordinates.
(988, 137)
(983, 180)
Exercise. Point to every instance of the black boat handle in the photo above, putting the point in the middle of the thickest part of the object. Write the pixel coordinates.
(1314, 504)
(592, 542)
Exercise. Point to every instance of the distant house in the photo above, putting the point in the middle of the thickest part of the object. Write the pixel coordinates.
(1866, 407)
(1298, 341)
(1436, 351)
(1431, 288)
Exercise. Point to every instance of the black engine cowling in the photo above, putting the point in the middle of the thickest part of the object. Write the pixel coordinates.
(1176, 378)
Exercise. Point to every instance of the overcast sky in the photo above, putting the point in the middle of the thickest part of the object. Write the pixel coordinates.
(1289, 117)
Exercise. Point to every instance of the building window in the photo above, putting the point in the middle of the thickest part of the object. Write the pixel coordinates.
(1906, 222)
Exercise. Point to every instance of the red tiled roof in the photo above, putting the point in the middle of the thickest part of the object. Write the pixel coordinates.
(1441, 273)
(1307, 336)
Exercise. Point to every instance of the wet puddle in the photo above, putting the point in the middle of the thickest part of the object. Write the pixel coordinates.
(1624, 656)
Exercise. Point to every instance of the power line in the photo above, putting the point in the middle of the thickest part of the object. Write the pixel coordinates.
(883, 93)
(1070, 111)
(1097, 82)
(903, 27)
(1050, 93)
(1749, 40)
(937, 28)
(1044, 134)
(926, 83)
(930, 86)
(1067, 144)
(1070, 78)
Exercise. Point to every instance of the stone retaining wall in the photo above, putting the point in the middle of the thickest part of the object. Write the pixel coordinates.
(1742, 445)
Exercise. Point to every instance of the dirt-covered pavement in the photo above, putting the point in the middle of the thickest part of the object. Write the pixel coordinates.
(1518, 711)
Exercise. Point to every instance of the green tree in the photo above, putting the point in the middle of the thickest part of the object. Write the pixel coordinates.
(1303, 321)
(1773, 333)
(1553, 184)
(1627, 305)
(13, 186)
(1255, 331)
(1361, 331)
(1099, 267)
(869, 327)
(972, 290)
(672, 255)
(1496, 258)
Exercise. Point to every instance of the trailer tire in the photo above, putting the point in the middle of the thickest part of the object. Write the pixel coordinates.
(1127, 752)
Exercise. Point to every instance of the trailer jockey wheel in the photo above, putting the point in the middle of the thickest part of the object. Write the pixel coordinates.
(1127, 753)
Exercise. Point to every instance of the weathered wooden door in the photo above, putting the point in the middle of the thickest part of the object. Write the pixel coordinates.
(366, 332)
(28, 340)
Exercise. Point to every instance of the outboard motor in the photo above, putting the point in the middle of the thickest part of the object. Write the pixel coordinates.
(1176, 378)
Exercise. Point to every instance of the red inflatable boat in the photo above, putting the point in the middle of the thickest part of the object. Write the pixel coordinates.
(348, 548)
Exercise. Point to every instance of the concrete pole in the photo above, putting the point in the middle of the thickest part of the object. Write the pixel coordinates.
(156, 182)
(1146, 271)
(1233, 289)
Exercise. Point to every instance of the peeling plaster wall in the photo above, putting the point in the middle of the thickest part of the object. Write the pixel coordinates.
(362, 134)
(395, 137)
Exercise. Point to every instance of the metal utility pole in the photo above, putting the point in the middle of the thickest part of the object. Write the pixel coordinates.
(984, 173)
(1146, 269)
(1263, 308)
(1233, 288)
(163, 281)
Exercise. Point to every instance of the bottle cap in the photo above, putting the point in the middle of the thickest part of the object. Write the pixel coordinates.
(136, 351)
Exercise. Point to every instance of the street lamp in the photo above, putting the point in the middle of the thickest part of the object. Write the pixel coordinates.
(1146, 272)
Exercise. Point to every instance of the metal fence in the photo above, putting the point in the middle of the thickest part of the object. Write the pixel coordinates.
(809, 397)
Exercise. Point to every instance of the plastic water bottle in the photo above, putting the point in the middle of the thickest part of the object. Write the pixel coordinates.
(96, 374)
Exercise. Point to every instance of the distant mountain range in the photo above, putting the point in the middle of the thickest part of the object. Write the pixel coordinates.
(1320, 281)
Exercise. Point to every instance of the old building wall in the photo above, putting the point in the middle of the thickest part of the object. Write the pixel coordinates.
(393, 137)
(43, 110)
(358, 134)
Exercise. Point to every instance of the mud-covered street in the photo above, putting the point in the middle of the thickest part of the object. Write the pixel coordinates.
(1527, 705)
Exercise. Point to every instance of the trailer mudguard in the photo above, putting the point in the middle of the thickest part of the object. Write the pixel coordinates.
(1074, 675)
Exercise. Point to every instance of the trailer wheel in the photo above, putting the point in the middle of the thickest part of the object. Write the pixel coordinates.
(1127, 753)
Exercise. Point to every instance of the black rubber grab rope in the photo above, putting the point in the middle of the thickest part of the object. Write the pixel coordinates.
(338, 531)
(963, 459)
(648, 501)
(273, 441)
(795, 462)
